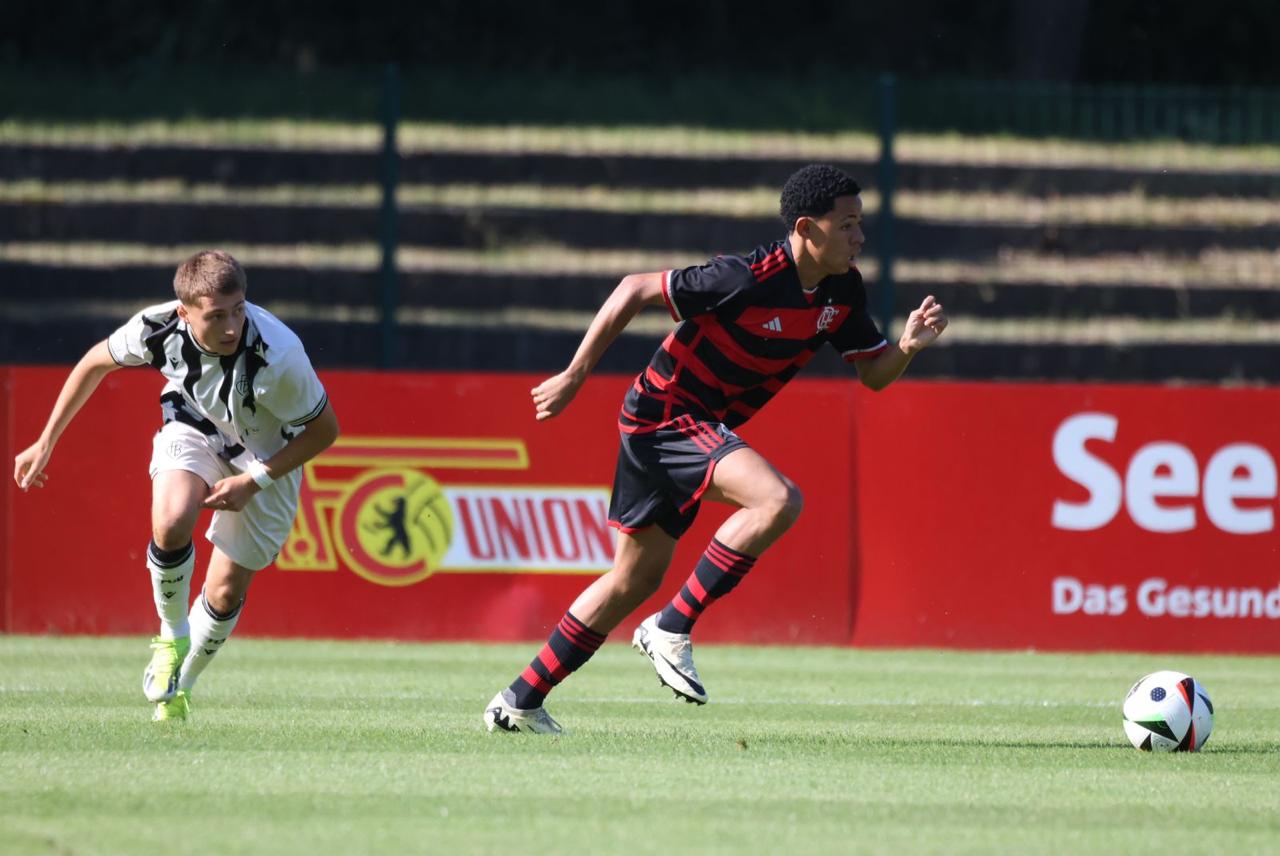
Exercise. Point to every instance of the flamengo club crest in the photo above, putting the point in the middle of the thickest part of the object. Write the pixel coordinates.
(374, 505)
(828, 315)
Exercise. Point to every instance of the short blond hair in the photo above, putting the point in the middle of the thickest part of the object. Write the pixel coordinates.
(206, 274)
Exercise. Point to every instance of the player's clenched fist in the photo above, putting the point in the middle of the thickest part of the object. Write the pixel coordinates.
(923, 326)
(554, 394)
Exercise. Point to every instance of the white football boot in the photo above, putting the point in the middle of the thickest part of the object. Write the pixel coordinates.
(672, 658)
(501, 714)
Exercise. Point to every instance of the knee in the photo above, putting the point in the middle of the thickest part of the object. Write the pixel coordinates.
(223, 596)
(172, 530)
(784, 504)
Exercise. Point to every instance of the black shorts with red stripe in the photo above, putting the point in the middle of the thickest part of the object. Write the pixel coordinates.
(664, 469)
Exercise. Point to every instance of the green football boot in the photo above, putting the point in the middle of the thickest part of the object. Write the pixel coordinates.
(176, 709)
(160, 680)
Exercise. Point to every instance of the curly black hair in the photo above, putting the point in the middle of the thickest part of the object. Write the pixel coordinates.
(811, 191)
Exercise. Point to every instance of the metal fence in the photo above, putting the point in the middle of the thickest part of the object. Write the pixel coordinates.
(1073, 233)
(1233, 116)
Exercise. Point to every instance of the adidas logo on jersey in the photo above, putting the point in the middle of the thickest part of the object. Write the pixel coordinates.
(775, 324)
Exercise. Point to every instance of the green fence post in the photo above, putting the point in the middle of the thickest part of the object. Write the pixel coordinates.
(888, 175)
(389, 287)
(1128, 113)
(1254, 110)
(1233, 113)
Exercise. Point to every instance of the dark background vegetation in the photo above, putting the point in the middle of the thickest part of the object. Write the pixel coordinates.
(803, 64)
(1230, 42)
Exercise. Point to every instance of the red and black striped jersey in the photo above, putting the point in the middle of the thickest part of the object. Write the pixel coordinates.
(747, 327)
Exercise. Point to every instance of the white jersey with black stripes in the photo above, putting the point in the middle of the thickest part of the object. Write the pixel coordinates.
(250, 403)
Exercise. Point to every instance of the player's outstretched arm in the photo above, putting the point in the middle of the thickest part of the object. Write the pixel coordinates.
(28, 466)
(632, 294)
(923, 327)
(234, 493)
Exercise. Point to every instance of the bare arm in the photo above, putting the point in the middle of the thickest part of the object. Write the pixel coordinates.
(320, 434)
(234, 493)
(632, 294)
(28, 469)
(923, 327)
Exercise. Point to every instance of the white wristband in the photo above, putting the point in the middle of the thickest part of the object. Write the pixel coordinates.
(258, 472)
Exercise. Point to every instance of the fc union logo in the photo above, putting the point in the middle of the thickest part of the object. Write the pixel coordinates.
(384, 509)
(397, 526)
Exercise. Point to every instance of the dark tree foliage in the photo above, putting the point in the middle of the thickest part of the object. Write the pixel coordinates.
(1230, 41)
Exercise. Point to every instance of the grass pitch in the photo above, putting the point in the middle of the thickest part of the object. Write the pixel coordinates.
(308, 747)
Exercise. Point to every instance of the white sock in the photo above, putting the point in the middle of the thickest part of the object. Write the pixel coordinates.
(171, 586)
(208, 632)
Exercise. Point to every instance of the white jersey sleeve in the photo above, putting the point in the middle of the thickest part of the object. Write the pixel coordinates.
(128, 344)
(292, 391)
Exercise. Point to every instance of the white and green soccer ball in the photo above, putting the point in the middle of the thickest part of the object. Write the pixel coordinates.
(1168, 712)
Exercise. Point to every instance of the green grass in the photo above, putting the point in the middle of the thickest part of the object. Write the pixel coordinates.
(306, 747)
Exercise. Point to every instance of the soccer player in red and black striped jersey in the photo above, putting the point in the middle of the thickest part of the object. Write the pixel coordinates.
(747, 325)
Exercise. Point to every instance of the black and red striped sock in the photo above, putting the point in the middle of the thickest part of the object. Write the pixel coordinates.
(718, 571)
(571, 644)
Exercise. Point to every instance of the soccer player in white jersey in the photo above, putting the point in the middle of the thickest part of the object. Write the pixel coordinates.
(243, 411)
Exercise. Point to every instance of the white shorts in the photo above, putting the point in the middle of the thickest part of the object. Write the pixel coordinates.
(252, 537)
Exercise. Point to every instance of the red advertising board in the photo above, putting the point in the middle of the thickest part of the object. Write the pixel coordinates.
(520, 526)
(1069, 517)
(6, 496)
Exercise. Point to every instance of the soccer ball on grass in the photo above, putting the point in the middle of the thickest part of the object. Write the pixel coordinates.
(1168, 712)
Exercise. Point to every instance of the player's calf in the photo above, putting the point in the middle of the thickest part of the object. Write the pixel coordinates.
(171, 571)
(210, 630)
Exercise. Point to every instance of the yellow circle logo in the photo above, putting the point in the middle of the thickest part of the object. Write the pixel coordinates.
(395, 526)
